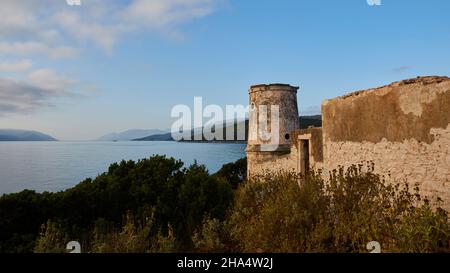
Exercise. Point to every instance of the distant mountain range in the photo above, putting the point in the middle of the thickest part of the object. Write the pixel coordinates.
(23, 135)
(305, 122)
(130, 134)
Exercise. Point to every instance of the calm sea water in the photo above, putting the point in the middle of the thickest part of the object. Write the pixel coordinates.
(55, 166)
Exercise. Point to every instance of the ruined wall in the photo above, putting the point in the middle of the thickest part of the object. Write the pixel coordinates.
(314, 137)
(271, 162)
(288, 161)
(404, 128)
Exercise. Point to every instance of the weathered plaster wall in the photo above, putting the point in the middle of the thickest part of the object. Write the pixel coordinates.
(404, 128)
(402, 110)
(314, 136)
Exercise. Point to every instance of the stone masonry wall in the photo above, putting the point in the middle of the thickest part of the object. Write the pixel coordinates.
(282, 96)
(314, 137)
(408, 161)
(404, 128)
(260, 160)
(266, 162)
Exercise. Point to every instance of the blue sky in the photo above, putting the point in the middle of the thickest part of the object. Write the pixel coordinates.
(81, 72)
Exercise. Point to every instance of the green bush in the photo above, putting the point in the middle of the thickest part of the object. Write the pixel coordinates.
(235, 173)
(135, 236)
(212, 236)
(178, 198)
(156, 205)
(287, 213)
(52, 239)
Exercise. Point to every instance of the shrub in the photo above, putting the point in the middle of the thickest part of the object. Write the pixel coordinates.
(178, 197)
(287, 213)
(135, 236)
(156, 205)
(52, 239)
(211, 236)
(235, 173)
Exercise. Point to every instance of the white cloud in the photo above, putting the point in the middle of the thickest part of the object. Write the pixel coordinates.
(19, 97)
(51, 28)
(103, 35)
(40, 89)
(166, 13)
(19, 66)
(36, 48)
(46, 22)
(16, 17)
(48, 79)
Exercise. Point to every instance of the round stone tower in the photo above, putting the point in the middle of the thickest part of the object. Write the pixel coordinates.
(273, 117)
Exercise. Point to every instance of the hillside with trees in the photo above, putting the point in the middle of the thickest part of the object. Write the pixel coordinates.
(23, 135)
(305, 122)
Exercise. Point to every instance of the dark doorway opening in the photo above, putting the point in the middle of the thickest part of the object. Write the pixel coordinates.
(304, 156)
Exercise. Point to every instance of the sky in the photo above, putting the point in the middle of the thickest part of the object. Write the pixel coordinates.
(79, 72)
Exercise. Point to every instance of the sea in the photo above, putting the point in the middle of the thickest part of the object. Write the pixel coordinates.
(56, 166)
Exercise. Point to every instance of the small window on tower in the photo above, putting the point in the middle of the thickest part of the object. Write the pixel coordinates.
(287, 136)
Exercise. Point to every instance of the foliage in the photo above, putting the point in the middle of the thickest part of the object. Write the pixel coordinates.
(156, 205)
(235, 172)
(52, 239)
(135, 236)
(178, 198)
(211, 236)
(287, 213)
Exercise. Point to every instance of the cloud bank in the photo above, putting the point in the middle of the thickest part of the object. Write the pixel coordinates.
(52, 29)
(37, 26)
(26, 97)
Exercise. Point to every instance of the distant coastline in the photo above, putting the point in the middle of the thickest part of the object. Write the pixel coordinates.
(305, 122)
(24, 135)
